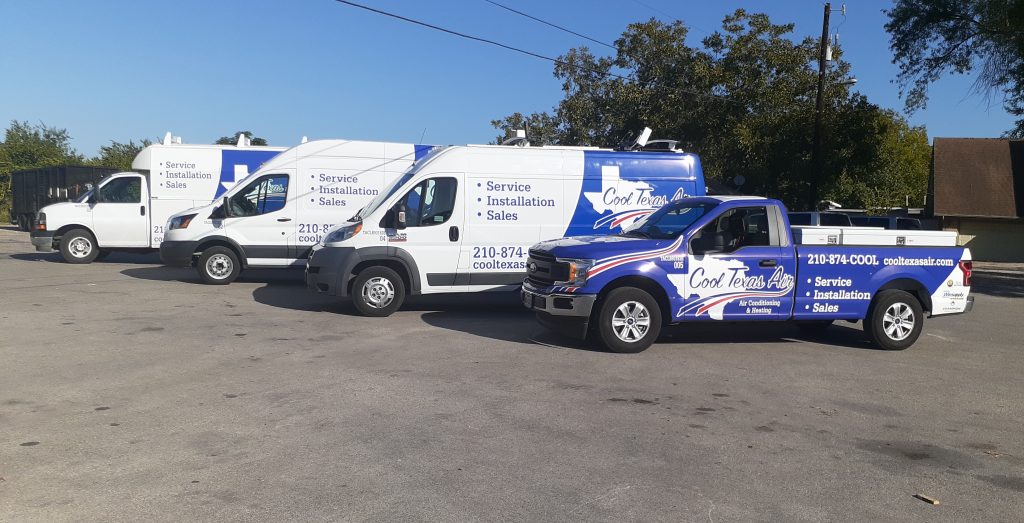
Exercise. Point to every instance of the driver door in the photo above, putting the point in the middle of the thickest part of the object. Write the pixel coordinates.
(120, 217)
(736, 270)
(262, 220)
(433, 233)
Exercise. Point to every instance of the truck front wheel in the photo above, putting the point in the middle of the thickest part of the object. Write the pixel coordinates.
(628, 321)
(78, 246)
(895, 320)
(378, 291)
(218, 266)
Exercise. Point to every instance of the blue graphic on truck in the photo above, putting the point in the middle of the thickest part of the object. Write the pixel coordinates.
(734, 259)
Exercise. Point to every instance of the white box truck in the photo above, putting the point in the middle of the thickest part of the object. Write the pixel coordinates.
(274, 217)
(463, 218)
(127, 211)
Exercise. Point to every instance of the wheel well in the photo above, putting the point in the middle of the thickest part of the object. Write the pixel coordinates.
(221, 243)
(648, 285)
(63, 230)
(394, 265)
(914, 287)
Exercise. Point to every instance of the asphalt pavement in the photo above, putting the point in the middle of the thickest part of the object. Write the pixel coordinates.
(130, 391)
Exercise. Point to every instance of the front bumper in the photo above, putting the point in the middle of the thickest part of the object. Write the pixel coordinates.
(328, 270)
(557, 304)
(43, 240)
(177, 254)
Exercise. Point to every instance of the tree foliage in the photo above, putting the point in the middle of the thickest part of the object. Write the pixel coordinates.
(26, 146)
(120, 155)
(232, 140)
(744, 100)
(932, 38)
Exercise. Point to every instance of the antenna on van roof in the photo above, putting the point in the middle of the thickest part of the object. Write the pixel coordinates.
(304, 139)
(243, 140)
(519, 140)
(167, 138)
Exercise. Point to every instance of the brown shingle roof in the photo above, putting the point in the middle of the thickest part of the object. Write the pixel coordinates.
(978, 177)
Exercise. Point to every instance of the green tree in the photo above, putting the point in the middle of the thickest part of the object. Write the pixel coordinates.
(743, 100)
(930, 39)
(26, 146)
(541, 128)
(120, 155)
(232, 140)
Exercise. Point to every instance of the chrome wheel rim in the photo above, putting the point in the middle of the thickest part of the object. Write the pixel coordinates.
(898, 321)
(219, 266)
(378, 292)
(80, 247)
(631, 321)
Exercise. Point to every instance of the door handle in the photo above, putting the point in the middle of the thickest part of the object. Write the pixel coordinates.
(768, 263)
(453, 233)
(142, 210)
(284, 219)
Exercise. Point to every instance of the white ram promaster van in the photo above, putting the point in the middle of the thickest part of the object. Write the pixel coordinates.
(274, 217)
(128, 210)
(463, 218)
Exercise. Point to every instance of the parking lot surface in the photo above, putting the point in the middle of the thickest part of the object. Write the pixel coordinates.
(130, 391)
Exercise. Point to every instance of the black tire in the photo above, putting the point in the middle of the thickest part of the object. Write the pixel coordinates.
(218, 266)
(103, 254)
(378, 292)
(811, 327)
(888, 318)
(629, 321)
(78, 246)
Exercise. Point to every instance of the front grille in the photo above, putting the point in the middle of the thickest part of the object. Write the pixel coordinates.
(542, 270)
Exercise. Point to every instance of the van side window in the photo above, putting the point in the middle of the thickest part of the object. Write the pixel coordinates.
(123, 190)
(431, 202)
(263, 195)
(734, 229)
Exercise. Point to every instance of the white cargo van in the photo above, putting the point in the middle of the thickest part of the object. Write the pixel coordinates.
(128, 210)
(275, 216)
(463, 218)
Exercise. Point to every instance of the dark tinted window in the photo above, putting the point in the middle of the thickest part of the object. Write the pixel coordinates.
(431, 202)
(859, 221)
(908, 224)
(833, 219)
(878, 222)
(799, 218)
(735, 228)
(263, 195)
(123, 190)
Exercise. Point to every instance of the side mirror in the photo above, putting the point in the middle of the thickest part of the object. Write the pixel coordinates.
(96, 196)
(400, 217)
(225, 206)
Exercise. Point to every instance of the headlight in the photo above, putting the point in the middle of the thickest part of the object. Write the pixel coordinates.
(180, 222)
(343, 233)
(577, 271)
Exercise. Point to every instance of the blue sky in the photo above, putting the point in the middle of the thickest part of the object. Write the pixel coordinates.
(121, 70)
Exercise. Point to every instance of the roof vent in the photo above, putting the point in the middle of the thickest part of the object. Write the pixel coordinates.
(519, 140)
(661, 145)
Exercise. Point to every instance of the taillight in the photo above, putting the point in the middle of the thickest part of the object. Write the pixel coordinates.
(966, 267)
(41, 222)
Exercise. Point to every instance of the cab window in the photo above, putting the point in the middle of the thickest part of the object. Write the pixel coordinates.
(431, 202)
(732, 230)
(122, 190)
(263, 195)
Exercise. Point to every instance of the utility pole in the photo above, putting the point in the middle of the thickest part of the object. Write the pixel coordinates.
(817, 161)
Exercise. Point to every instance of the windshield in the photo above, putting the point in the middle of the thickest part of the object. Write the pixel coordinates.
(384, 195)
(670, 221)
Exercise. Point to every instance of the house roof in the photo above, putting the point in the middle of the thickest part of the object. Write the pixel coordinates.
(978, 177)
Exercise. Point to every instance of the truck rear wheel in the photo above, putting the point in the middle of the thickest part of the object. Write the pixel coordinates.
(218, 266)
(78, 246)
(378, 292)
(629, 321)
(895, 320)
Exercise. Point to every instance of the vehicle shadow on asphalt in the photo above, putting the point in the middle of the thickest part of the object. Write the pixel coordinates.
(840, 334)
(114, 257)
(186, 275)
(998, 285)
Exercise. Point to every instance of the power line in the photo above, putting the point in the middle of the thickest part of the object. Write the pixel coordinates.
(522, 51)
(570, 31)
